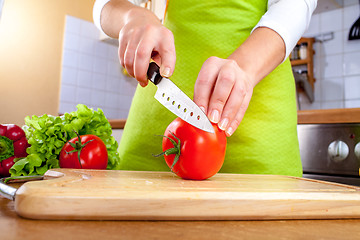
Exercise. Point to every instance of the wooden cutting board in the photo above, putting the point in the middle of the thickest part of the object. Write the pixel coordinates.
(130, 195)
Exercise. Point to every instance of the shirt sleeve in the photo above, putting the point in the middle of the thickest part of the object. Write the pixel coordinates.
(289, 18)
(98, 6)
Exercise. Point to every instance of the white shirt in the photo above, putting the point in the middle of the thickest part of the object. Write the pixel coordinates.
(289, 18)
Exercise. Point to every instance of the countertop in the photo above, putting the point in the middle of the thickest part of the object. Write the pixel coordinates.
(341, 115)
(14, 227)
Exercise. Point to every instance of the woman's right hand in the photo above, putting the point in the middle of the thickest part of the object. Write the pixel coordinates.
(143, 38)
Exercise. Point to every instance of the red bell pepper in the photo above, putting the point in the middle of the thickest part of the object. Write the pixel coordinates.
(13, 144)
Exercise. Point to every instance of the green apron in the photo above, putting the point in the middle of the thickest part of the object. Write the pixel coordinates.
(266, 141)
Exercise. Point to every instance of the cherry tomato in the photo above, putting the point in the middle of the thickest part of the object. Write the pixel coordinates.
(93, 153)
(201, 153)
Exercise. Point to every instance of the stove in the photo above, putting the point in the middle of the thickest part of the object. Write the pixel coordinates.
(330, 152)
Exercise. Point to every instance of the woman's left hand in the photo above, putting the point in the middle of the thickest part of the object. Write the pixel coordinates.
(223, 90)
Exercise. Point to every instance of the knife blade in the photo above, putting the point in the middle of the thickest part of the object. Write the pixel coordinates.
(175, 100)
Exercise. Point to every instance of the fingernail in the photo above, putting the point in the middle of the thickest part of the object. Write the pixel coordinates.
(166, 72)
(203, 109)
(214, 117)
(229, 131)
(223, 124)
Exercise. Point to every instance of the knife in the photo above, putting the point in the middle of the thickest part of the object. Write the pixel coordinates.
(175, 100)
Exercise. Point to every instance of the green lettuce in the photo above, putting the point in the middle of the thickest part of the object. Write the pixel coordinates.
(47, 135)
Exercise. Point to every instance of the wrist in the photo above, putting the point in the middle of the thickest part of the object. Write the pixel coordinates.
(260, 54)
(139, 13)
(115, 14)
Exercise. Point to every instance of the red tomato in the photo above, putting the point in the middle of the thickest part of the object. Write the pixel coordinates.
(201, 153)
(93, 153)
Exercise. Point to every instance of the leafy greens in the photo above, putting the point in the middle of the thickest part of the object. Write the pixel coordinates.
(47, 135)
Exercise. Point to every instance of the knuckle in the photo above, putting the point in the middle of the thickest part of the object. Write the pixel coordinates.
(203, 81)
(128, 61)
(212, 60)
(168, 51)
(165, 32)
(219, 102)
(166, 41)
(126, 34)
(129, 50)
(228, 78)
(242, 91)
(141, 52)
(122, 34)
(232, 63)
(149, 28)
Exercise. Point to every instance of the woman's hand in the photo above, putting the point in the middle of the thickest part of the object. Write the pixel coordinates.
(142, 38)
(223, 90)
(224, 86)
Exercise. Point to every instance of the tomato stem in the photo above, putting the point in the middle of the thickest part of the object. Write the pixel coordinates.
(78, 146)
(175, 150)
(6, 148)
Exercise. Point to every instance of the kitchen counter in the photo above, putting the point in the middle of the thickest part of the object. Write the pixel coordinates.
(117, 123)
(341, 115)
(14, 227)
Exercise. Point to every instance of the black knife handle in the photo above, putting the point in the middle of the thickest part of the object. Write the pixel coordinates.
(153, 73)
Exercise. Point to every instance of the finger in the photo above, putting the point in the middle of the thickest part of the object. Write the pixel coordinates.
(240, 114)
(166, 50)
(143, 55)
(233, 104)
(205, 82)
(129, 55)
(223, 88)
(122, 47)
(235, 100)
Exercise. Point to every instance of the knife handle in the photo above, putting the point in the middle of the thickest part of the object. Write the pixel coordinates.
(153, 73)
